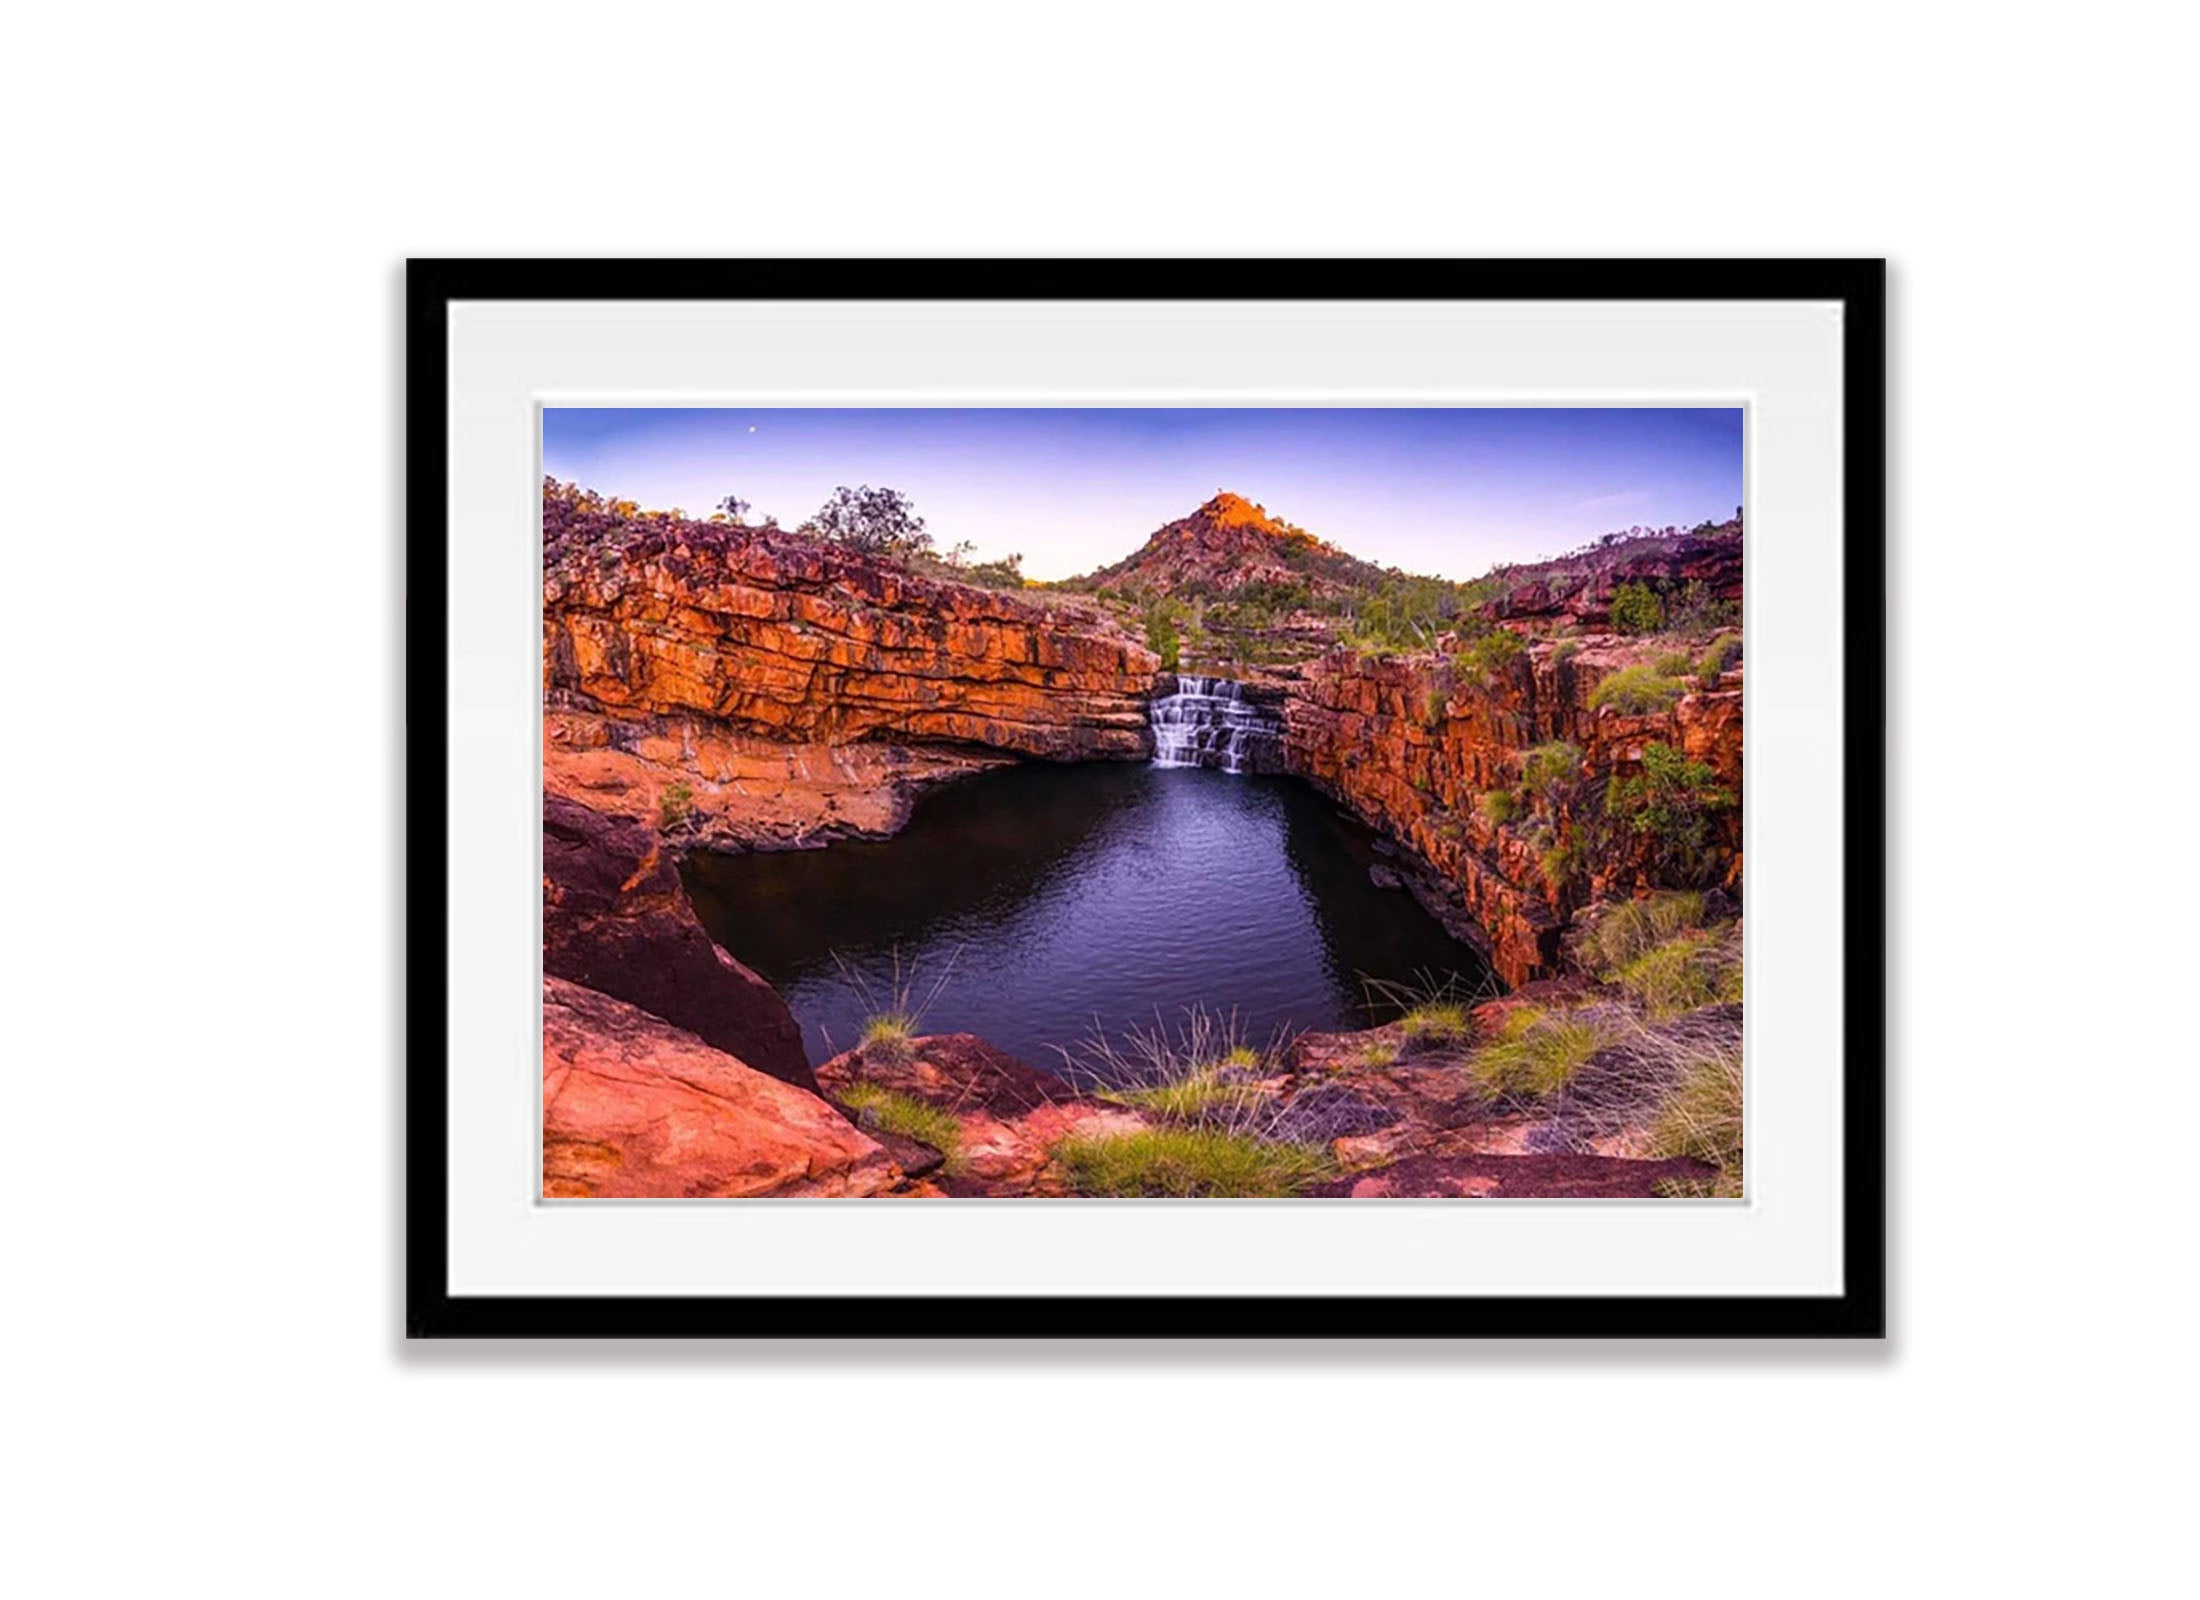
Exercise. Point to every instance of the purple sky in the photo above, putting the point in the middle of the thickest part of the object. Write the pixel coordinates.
(1447, 491)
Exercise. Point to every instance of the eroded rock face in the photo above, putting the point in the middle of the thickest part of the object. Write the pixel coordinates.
(1412, 744)
(701, 652)
(616, 919)
(633, 1107)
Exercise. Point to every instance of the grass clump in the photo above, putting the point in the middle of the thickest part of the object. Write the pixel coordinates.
(1437, 1020)
(1702, 1120)
(1491, 657)
(1564, 651)
(904, 1115)
(1637, 690)
(1196, 1097)
(1631, 931)
(1536, 1052)
(1723, 654)
(1378, 1053)
(1688, 970)
(1179, 1162)
(1500, 806)
(675, 804)
(1676, 664)
(889, 1035)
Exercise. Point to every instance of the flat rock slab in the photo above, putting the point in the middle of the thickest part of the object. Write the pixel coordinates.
(1539, 1177)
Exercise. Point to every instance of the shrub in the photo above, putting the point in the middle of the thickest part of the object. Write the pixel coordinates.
(675, 804)
(1181, 1162)
(1676, 664)
(1500, 806)
(1491, 657)
(1536, 1053)
(1549, 770)
(1628, 932)
(1006, 573)
(1636, 608)
(1636, 691)
(1433, 705)
(1724, 652)
(1695, 608)
(1561, 865)
(1161, 635)
(1671, 803)
(904, 1115)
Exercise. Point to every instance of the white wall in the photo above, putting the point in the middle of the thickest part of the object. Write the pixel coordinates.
(208, 208)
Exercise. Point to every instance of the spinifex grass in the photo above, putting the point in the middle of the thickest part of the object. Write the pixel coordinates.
(905, 1115)
(1536, 1052)
(1179, 1162)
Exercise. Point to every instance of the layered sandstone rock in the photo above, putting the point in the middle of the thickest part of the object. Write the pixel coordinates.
(616, 919)
(741, 663)
(634, 1107)
(1412, 744)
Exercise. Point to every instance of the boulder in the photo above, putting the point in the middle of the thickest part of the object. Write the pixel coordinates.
(616, 919)
(634, 1107)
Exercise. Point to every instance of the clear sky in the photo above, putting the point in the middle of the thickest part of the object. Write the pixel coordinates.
(1447, 491)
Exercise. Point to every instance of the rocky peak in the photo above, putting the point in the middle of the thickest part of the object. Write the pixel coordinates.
(1226, 544)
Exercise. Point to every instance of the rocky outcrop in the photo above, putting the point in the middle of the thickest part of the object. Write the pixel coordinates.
(633, 1107)
(1577, 590)
(616, 919)
(1412, 744)
(693, 667)
(1009, 1115)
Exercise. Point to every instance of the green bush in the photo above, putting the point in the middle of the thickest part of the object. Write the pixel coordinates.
(1549, 770)
(1671, 803)
(1637, 690)
(1676, 664)
(1500, 806)
(904, 1115)
(1561, 864)
(675, 805)
(1181, 1162)
(1636, 608)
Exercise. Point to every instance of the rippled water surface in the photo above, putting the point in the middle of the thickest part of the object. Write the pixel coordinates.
(1044, 901)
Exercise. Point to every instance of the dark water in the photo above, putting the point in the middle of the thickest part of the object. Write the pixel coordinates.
(1043, 900)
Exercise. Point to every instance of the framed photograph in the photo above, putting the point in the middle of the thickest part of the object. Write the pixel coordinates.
(1145, 798)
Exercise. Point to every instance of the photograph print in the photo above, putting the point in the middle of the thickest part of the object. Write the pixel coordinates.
(1271, 803)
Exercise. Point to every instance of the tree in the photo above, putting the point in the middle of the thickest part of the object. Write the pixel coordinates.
(734, 508)
(874, 521)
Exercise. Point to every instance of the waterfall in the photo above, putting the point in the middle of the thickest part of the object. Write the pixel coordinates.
(1208, 722)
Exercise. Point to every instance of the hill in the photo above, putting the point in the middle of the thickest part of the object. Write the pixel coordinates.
(1228, 545)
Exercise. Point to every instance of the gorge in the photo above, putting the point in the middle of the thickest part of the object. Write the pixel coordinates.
(1126, 839)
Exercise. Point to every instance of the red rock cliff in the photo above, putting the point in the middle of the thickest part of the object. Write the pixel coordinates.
(1412, 745)
(794, 690)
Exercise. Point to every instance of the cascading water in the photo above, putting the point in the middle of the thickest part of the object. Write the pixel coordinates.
(1208, 722)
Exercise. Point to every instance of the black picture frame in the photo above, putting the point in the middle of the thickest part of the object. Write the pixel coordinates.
(1859, 1311)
